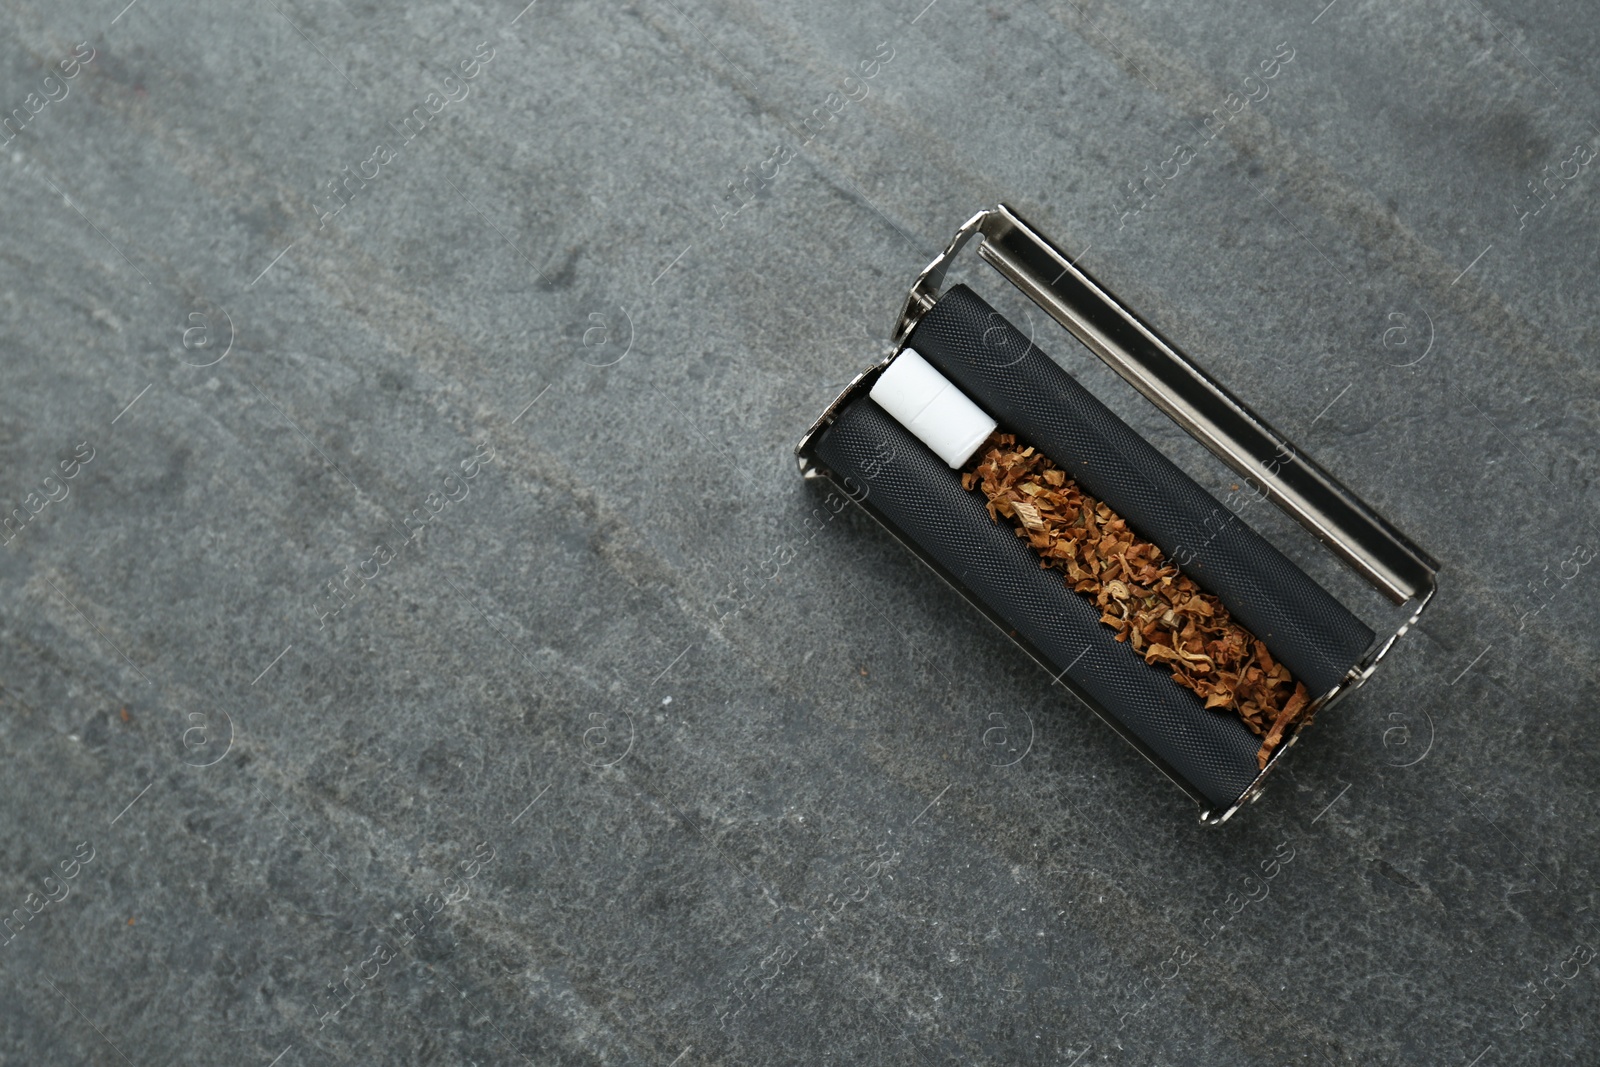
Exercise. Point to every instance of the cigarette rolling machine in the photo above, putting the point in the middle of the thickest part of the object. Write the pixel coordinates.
(896, 439)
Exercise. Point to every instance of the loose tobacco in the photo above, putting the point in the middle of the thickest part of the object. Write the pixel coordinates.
(1152, 605)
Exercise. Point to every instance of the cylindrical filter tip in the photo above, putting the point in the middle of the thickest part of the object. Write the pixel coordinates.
(932, 408)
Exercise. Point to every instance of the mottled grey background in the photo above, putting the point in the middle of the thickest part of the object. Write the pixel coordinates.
(675, 770)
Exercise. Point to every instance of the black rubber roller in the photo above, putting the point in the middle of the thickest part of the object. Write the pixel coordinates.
(1305, 628)
(922, 497)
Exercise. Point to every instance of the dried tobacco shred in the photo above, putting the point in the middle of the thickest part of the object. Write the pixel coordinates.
(1152, 605)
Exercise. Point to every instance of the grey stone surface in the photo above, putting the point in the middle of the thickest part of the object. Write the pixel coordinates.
(657, 799)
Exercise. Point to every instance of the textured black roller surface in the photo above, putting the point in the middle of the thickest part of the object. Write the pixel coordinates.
(1309, 631)
(923, 498)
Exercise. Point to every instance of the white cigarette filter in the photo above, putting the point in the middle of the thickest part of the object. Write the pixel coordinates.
(934, 410)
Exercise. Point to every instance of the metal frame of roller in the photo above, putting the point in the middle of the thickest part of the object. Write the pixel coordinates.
(1199, 404)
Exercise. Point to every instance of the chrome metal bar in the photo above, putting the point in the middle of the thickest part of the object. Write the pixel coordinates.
(1195, 400)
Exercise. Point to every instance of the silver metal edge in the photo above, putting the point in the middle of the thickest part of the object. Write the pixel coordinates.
(925, 290)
